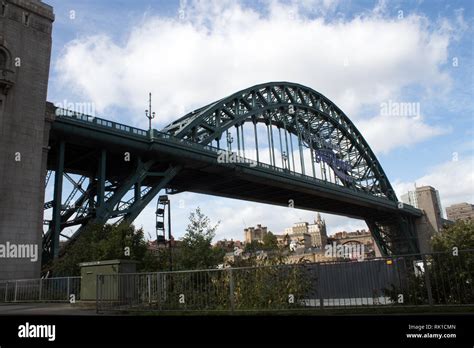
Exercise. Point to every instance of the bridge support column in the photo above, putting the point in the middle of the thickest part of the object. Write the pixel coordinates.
(243, 140)
(112, 206)
(292, 153)
(300, 145)
(101, 180)
(272, 143)
(281, 148)
(256, 139)
(238, 140)
(58, 192)
(396, 236)
(140, 204)
(286, 145)
(269, 145)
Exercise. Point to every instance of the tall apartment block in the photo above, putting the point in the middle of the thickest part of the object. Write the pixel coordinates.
(426, 198)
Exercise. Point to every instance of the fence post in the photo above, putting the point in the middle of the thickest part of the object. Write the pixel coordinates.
(6, 292)
(16, 289)
(158, 290)
(68, 289)
(427, 280)
(149, 288)
(320, 293)
(231, 290)
(40, 288)
(97, 292)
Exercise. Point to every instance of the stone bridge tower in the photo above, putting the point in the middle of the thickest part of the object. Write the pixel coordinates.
(25, 50)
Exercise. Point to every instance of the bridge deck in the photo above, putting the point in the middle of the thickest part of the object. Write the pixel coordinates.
(202, 173)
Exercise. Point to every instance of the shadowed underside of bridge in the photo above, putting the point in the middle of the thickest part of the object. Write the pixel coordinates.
(276, 143)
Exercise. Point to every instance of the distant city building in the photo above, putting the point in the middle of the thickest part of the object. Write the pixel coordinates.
(428, 195)
(301, 256)
(461, 211)
(229, 245)
(410, 198)
(255, 233)
(290, 257)
(358, 237)
(426, 198)
(307, 242)
(154, 246)
(299, 240)
(429, 201)
(308, 235)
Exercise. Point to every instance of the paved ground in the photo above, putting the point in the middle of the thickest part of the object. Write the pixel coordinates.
(44, 309)
(89, 309)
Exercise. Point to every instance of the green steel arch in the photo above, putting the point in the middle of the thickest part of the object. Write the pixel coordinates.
(183, 155)
(301, 111)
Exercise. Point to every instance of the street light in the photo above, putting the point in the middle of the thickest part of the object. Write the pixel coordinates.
(150, 115)
(230, 140)
(285, 158)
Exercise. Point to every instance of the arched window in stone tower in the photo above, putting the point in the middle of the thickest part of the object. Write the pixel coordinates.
(3, 84)
(3, 59)
(6, 74)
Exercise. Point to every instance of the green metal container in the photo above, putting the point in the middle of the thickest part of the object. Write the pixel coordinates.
(90, 271)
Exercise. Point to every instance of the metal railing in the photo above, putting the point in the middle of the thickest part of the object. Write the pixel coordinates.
(62, 289)
(411, 280)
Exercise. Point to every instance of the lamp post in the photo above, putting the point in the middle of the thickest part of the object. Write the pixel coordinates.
(150, 115)
(285, 158)
(230, 140)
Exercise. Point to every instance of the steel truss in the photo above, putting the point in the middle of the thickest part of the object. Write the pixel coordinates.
(317, 123)
(295, 118)
(102, 199)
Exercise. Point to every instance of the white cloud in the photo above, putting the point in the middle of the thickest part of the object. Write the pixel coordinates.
(235, 215)
(221, 47)
(384, 133)
(454, 180)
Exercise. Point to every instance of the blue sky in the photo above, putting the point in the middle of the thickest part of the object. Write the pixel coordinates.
(360, 54)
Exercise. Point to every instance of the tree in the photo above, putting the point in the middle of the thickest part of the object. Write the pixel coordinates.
(449, 269)
(270, 241)
(104, 242)
(460, 235)
(252, 247)
(196, 251)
